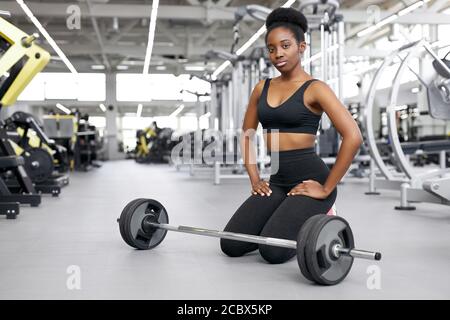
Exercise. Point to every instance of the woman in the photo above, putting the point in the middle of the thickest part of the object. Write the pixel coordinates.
(289, 107)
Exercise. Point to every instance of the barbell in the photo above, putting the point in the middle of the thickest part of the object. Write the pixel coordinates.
(325, 244)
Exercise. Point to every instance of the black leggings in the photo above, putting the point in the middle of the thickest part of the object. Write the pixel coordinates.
(279, 215)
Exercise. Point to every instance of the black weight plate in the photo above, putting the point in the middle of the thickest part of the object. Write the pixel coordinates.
(139, 238)
(301, 245)
(38, 164)
(324, 268)
(132, 233)
(122, 225)
(131, 223)
(125, 216)
(129, 216)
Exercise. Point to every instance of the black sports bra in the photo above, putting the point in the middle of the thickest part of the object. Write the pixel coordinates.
(291, 115)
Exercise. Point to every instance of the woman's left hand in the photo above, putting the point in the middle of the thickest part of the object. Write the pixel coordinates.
(309, 188)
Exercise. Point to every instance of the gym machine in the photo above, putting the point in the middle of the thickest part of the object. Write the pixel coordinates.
(325, 244)
(62, 130)
(228, 95)
(324, 59)
(432, 186)
(25, 122)
(233, 92)
(42, 155)
(86, 144)
(20, 60)
(74, 132)
(153, 145)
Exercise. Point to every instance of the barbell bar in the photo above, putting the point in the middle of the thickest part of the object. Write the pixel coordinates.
(325, 244)
(276, 242)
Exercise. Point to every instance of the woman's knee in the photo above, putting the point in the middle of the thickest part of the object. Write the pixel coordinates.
(229, 249)
(276, 255)
(233, 248)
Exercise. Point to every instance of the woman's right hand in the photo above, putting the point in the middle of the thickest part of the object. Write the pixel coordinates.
(261, 187)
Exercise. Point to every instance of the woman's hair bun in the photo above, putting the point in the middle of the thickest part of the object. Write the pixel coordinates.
(288, 15)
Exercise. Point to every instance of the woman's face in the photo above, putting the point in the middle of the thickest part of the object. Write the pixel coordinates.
(284, 51)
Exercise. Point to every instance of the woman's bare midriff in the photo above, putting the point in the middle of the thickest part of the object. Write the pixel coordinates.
(284, 141)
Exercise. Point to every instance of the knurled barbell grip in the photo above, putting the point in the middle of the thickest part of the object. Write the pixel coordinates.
(229, 235)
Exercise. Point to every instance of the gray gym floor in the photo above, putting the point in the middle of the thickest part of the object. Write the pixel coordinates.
(80, 229)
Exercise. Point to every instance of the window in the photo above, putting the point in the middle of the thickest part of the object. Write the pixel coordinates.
(188, 123)
(98, 122)
(166, 122)
(66, 86)
(139, 87)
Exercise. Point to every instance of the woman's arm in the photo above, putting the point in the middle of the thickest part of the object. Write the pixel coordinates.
(248, 147)
(344, 123)
(248, 135)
